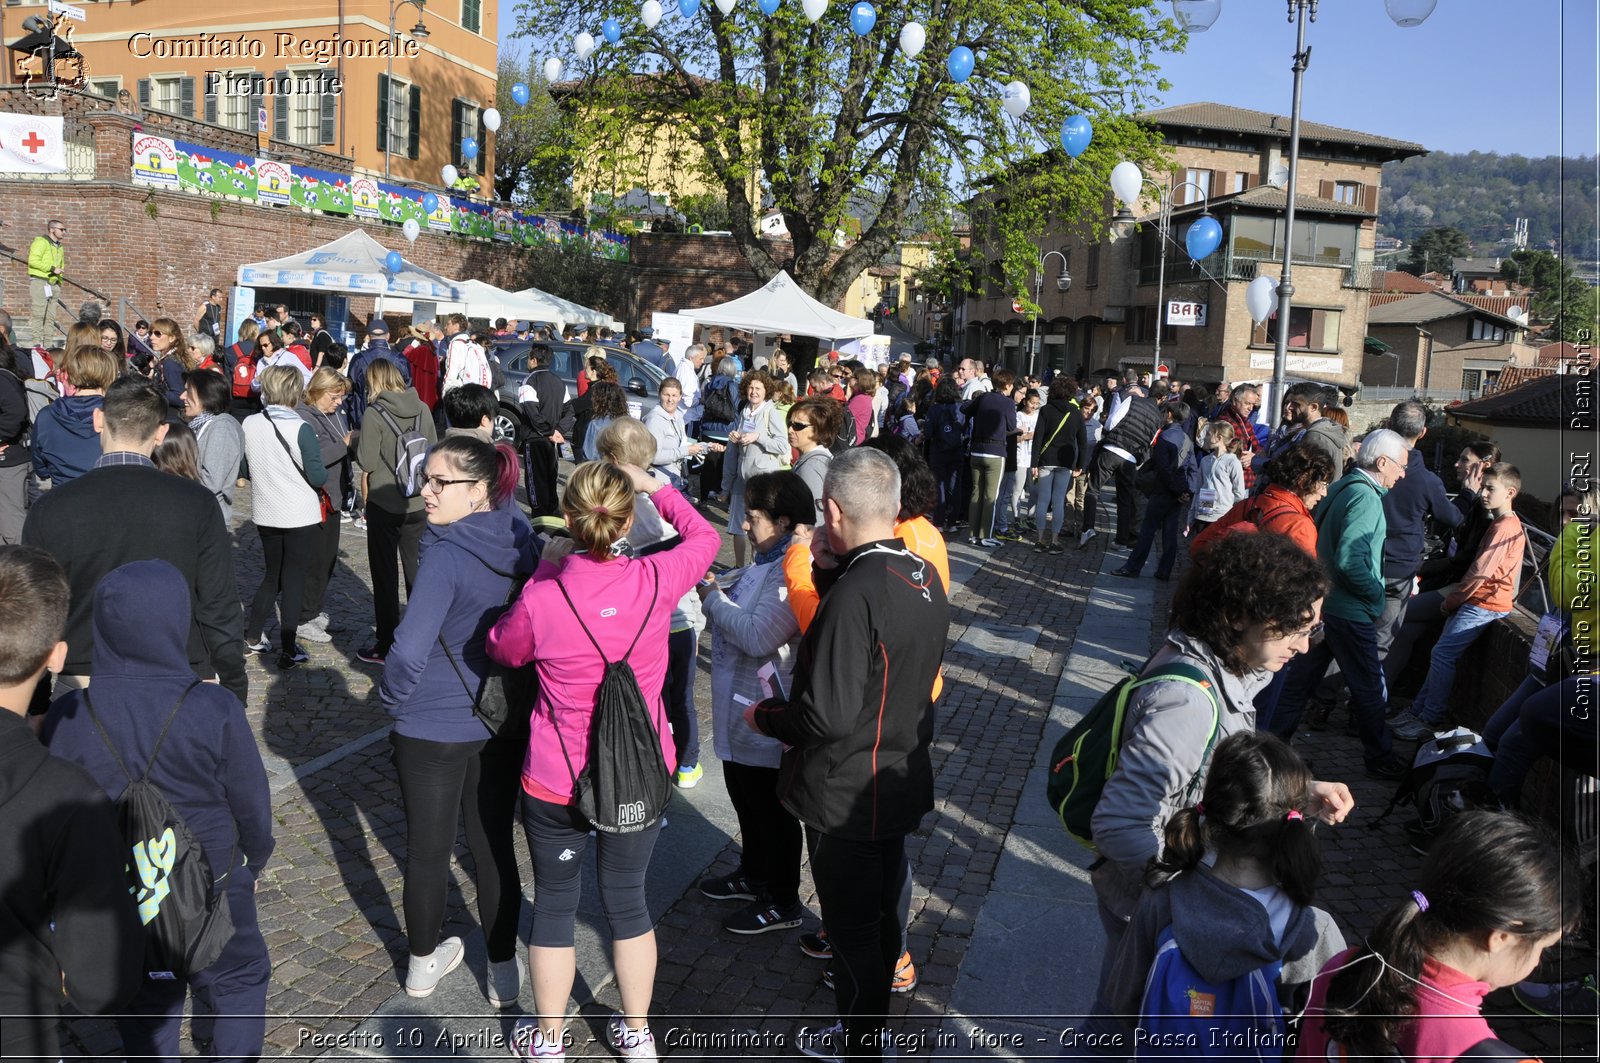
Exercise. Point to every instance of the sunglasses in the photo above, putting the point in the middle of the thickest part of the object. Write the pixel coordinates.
(799, 426)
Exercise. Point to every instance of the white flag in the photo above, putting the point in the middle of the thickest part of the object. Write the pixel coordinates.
(32, 144)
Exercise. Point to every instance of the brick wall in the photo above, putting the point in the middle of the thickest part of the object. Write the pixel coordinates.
(677, 271)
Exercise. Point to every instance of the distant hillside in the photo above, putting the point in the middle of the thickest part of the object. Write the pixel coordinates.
(1483, 194)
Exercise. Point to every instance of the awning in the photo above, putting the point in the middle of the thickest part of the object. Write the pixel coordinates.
(779, 306)
(1374, 345)
(354, 263)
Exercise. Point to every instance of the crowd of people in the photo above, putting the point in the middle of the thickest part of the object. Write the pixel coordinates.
(542, 672)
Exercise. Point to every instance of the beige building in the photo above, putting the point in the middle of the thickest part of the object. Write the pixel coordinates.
(1441, 346)
(1545, 427)
(1232, 162)
(318, 71)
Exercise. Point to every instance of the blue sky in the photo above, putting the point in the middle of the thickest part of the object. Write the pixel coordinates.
(1478, 75)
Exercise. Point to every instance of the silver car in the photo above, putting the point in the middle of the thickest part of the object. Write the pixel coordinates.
(640, 380)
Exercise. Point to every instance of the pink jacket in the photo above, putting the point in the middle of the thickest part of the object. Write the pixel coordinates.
(611, 597)
(1449, 1018)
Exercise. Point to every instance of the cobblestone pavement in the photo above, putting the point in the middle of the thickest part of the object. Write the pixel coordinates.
(329, 899)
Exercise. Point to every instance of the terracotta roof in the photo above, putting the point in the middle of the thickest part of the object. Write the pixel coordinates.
(1495, 304)
(1514, 375)
(1394, 280)
(1548, 401)
(1554, 355)
(1379, 298)
(1242, 120)
(1421, 309)
(882, 271)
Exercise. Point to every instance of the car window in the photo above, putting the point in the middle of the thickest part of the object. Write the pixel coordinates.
(514, 362)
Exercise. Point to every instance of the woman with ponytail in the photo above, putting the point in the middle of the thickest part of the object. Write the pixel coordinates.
(1495, 891)
(1249, 905)
(449, 763)
(590, 604)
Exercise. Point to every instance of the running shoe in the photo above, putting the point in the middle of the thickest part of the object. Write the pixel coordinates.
(728, 888)
(816, 945)
(529, 1043)
(373, 655)
(290, 658)
(1088, 533)
(260, 645)
(825, 1043)
(761, 916)
(989, 544)
(630, 1043)
(688, 778)
(904, 981)
(1574, 1001)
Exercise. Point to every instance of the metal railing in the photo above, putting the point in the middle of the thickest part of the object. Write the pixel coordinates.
(1401, 394)
(79, 138)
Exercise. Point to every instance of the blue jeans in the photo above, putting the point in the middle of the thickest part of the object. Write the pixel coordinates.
(1354, 644)
(947, 474)
(1461, 630)
(1050, 496)
(1534, 722)
(1166, 513)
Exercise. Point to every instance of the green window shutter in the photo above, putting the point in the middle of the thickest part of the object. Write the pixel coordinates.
(144, 92)
(472, 15)
(186, 97)
(211, 102)
(413, 141)
(327, 117)
(483, 144)
(383, 112)
(457, 131)
(280, 110)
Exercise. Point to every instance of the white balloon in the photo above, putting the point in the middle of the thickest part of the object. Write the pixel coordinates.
(1016, 98)
(912, 38)
(650, 13)
(583, 44)
(726, 6)
(1126, 181)
(450, 175)
(814, 9)
(411, 229)
(491, 120)
(1259, 298)
(552, 70)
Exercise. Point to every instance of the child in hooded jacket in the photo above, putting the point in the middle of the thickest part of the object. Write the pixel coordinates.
(1250, 905)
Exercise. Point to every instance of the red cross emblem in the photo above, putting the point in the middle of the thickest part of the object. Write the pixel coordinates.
(33, 142)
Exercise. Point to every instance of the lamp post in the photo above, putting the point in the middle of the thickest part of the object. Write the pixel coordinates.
(418, 32)
(1124, 188)
(1063, 284)
(1196, 16)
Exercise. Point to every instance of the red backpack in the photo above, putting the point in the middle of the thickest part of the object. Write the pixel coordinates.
(244, 374)
(1247, 516)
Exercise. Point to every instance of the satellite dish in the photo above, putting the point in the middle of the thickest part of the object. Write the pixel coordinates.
(1517, 314)
(1279, 177)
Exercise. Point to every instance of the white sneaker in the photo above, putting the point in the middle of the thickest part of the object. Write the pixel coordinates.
(629, 1043)
(505, 982)
(425, 971)
(312, 633)
(1088, 533)
(528, 1042)
(826, 1043)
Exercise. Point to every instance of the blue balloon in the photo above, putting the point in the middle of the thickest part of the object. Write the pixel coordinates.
(611, 30)
(863, 17)
(430, 202)
(469, 148)
(768, 7)
(1076, 133)
(519, 92)
(688, 8)
(1205, 236)
(960, 63)
(393, 262)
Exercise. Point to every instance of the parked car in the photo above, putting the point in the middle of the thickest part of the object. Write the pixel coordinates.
(640, 379)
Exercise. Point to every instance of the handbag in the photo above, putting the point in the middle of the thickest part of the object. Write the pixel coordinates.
(324, 503)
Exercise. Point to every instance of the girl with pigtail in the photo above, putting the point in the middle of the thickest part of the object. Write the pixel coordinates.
(1232, 892)
(1494, 893)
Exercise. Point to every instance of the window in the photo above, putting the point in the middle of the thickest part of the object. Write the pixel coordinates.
(304, 111)
(472, 15)
(1141, 327)
(1321, 243)
(1310, 329)
(233, 97)
(172, 93)
(106, 87)
(1483, 330)
(399, 111)
(1471, 380)
(1196, 178)
(1347, 192)
(466, 120)
(1092, 267)
(1241, 181)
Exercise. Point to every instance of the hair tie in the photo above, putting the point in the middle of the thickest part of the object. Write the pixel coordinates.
(600, 511)
(1422, 902)
(1293, 815)
(1199, 808)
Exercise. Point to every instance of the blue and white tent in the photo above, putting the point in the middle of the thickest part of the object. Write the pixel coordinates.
(352, 264)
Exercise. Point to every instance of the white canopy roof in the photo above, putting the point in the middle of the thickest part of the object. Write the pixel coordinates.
(780, 306)
(571, 313)
(352, 263)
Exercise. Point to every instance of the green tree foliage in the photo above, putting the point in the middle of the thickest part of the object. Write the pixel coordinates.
(1482, 194)
(833, 126)
(532, 157)
(1435, 248)
(1558, 296)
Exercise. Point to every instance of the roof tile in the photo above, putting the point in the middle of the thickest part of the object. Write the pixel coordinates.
(1242, 120)
(1542, 401)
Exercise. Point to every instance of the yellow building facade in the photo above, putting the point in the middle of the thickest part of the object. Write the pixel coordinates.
(321, 73)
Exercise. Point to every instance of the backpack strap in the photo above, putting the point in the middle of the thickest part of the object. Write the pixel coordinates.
(654, 591)
(1195, 677)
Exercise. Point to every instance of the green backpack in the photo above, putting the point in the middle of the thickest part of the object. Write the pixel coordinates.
(1086, 756)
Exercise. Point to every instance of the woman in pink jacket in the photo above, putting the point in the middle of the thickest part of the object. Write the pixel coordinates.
(618, 599)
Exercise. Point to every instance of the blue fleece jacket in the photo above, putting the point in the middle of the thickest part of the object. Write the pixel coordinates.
(65, 444)
(208, 766)
(1407, 505)
(356, 404)
(463, 580)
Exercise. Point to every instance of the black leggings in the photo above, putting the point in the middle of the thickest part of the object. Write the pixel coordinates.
(678, 696)
(290, 553)
(391, 538)
(859, 885)
(558, 837)
(438, 782)
(321, 568)
(768, 834)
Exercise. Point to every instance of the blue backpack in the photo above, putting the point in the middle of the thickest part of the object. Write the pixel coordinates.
(1184, 1015)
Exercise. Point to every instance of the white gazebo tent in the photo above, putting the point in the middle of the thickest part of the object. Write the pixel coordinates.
(573, 313)
(482, 299)
(353, 264)
(780, 306)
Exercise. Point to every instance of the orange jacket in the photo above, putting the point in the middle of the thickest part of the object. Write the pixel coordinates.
(1277, 509)
(1491, 581)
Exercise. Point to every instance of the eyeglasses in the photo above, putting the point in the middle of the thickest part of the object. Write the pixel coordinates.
(799, 426)
(1305, 633)
(436, 484)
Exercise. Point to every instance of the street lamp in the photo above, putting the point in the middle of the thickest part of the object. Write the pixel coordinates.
(1196, 16)
(1123, 186)
(419, 32)
(1063, 284)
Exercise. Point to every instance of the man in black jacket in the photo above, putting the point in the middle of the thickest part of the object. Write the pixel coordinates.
(68, 920)
(1176, 475)
(858, 724)
(1132, 421)
(125, 509)
(548, 411)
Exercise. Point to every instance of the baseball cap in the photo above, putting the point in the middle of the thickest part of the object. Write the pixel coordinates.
(647, 333)
(377, 328)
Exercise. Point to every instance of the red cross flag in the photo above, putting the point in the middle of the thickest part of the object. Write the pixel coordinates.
(32, 144)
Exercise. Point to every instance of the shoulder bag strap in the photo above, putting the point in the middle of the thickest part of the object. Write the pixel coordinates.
(1059, 426)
